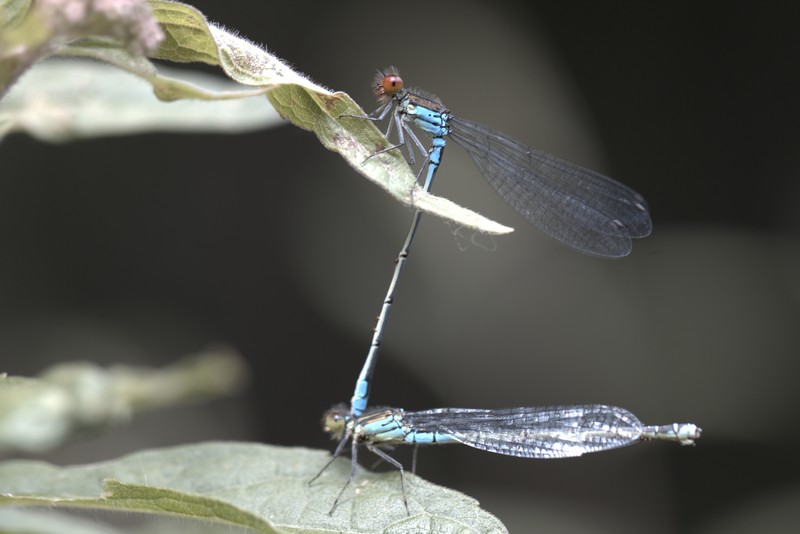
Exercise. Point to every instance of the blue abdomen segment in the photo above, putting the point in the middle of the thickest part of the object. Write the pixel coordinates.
(387, 426)
(430, 119)
(359, 400)
(429, 438)
(433, 122)
(437, 148)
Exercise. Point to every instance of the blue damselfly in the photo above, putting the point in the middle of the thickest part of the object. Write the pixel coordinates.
(528, 432)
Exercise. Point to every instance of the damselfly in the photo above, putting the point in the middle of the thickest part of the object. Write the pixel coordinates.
(533, 432)
(583, 209)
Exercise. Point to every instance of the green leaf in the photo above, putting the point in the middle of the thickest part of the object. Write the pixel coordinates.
(114, 37)
(189, 37)
(307, 105)
(249, 485)
(42, 413)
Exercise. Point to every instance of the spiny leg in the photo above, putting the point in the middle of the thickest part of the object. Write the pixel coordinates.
(336, 453)
(399, 466)
(353, 467)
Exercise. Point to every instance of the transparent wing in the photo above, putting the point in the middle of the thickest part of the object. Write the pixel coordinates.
(581, 208)
(534, 432)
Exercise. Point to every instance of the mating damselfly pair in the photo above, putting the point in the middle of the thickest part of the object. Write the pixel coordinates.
(583, 209)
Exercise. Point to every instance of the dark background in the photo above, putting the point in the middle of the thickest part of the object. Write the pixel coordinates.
(141, 249)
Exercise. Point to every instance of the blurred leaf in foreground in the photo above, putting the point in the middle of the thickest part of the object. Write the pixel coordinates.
(37, 414)
(66, 99)
(31, 31)
(172, 31)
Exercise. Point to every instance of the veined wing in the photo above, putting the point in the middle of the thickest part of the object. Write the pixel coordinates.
(581, 208)
(534, 432)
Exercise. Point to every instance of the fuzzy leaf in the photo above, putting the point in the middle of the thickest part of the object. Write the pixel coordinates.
(182, 34)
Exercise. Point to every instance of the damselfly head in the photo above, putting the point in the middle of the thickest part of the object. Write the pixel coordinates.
(334, 421)
(387, 84)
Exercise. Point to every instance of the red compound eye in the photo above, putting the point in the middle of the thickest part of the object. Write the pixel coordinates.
(391, 84)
